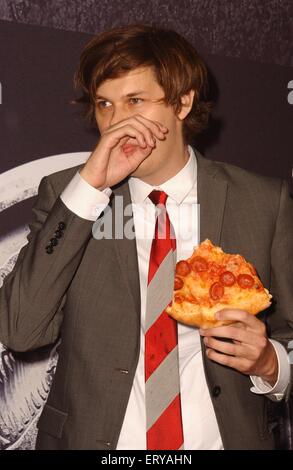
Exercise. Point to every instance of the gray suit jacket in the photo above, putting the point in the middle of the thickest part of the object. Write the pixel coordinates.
(88, 292)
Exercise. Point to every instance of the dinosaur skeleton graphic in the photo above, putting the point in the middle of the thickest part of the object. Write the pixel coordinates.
(25, 381)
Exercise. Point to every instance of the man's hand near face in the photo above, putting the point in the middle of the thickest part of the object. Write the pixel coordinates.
(121, 149)
(249, 352)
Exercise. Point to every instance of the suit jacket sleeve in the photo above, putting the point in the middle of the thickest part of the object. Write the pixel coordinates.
(34, 292)
(281, 320)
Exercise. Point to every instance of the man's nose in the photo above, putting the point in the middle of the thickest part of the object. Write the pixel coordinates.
(119, 114)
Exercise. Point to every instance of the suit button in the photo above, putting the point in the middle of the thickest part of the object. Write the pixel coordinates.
(49, 249)
(216, 391)
(61, 225)
(58, 234)
(54, 241)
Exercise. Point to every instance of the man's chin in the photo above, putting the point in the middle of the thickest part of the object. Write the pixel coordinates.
(138, 173)
(141, 171)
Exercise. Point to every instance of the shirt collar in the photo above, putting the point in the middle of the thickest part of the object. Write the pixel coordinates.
(176, 187)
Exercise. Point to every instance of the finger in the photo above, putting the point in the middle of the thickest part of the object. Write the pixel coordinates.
(147, 128)
(222, 346)
(229, 332)
(242, 316)
(238, 324)
(241, 364)
(127, 130)
(242, 337)
(151, 128)
(236, 342)
(158, 129)
(152, 121)
(246, 351)
(145, 131)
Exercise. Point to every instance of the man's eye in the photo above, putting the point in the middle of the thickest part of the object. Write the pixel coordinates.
(102, 104)
(135, 100)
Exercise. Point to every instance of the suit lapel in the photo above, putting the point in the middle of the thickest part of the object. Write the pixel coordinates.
(212, 191)
(125, 248)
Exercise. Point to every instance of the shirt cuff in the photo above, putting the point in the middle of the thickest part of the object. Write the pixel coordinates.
(276, 392)
(83, 199)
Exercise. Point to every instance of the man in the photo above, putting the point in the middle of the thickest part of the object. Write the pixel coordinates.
(213, 389)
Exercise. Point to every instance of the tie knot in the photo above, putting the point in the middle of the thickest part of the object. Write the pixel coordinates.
(158, 197)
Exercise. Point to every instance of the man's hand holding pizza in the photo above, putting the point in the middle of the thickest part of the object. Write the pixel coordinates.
(249, 351)
(221, 293)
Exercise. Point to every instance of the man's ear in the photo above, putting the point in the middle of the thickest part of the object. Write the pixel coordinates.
(186, 104)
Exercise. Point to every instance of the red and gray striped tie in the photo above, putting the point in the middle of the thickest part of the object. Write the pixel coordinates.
(163, 405)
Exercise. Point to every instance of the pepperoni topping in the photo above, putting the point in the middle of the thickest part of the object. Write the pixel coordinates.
(227, 278)
(216, 291)
(199, 264)
(245, 281)
(215, 269)
(178, 283)
(178, 299)
(182, 268)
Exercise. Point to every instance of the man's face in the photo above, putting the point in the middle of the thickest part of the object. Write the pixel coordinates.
(113, 105)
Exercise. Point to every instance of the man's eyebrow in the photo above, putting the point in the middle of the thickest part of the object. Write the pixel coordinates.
(129, 95)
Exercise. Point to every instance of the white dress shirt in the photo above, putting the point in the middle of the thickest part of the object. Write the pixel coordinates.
(200, 426)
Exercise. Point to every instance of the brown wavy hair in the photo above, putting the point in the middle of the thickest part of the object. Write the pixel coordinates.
(177, 66)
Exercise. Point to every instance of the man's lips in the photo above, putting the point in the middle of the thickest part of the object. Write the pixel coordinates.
(127, 148)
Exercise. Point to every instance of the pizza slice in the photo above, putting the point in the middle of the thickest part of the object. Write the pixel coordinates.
(211, 280)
